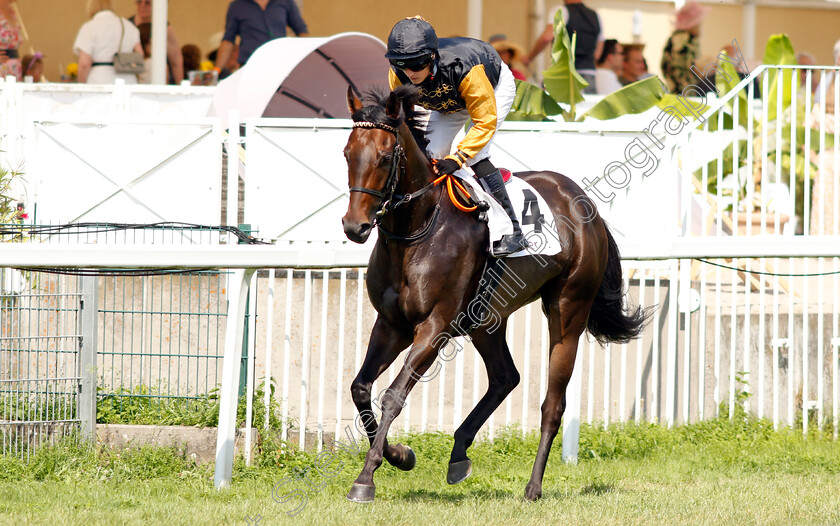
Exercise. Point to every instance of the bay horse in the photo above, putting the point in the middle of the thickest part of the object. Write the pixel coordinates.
(427, 265)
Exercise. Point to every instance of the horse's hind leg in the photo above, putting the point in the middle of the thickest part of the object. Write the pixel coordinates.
(386, 343)
(502, 378)
(566, 322)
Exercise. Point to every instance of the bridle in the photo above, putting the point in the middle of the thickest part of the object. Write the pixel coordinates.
(398, 160)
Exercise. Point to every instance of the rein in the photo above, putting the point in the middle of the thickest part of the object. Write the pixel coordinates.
(398, 159)
(391, 201)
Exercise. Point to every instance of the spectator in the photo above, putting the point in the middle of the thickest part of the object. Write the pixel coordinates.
(828, 78)
(232, 63)
(682, 48)
(256, 22)
(146, 43)
(192, 58)
(199, 72)
(99, 39)
(174, 61)
(740, 68)
(806, 59)
(32, 67)
(633, 67)
(645, 73)
(587, 25)
(510, 53)
(610, 64)
(10, 39)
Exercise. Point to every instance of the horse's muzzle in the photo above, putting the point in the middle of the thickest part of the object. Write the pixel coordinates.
(356, 232)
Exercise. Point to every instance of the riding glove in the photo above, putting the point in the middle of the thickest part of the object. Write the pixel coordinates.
(446, 166)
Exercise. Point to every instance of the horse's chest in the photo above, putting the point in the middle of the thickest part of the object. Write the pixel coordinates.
(386, 301)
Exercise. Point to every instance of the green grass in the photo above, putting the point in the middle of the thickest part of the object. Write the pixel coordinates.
(719, 471)
(149, 405)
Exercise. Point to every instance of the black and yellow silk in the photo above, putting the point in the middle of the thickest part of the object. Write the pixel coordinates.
(464, 75)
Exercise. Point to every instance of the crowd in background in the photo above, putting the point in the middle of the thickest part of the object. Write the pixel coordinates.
(248, 24)
(608, 65)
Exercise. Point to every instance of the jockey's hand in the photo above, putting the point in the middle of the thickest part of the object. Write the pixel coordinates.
(445, 166)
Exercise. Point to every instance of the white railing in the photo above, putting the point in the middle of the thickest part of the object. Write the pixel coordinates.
(763, 163)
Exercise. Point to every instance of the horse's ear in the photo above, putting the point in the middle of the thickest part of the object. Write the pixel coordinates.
(353, 102)
(392, 107)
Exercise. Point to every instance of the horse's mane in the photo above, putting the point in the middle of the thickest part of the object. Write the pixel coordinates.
(375, 100)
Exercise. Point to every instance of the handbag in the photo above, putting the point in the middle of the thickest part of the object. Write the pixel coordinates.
(128, 62)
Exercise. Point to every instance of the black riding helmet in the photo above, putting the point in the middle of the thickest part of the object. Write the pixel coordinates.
(411, 44)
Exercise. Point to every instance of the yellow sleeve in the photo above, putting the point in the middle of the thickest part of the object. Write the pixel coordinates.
(393, 81)
(478, 93)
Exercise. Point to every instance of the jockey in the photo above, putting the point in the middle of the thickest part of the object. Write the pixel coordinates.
(459, 79)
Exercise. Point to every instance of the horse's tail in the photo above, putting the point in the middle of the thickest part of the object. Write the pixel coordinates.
(607, 319)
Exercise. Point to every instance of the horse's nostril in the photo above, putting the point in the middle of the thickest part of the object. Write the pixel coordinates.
(364, 229)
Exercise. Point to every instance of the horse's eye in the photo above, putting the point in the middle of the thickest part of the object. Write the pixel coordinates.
(386, 159)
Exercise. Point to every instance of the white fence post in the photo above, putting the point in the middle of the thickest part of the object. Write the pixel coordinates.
(673, 335)
(233, 169)
(88, 307)
(234, 332)
(571, 416)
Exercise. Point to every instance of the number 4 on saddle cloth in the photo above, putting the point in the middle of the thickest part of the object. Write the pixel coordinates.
(537, 227)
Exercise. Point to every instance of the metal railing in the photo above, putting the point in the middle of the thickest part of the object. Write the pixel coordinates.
(43, 359)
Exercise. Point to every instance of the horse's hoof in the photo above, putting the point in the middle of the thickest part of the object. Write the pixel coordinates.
(459, 471)
(410, 460)
(361, 493)
(532, 493)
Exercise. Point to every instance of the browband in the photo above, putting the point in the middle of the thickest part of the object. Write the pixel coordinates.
(366, 124)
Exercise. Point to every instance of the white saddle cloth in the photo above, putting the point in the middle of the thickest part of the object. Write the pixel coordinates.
(535, 216)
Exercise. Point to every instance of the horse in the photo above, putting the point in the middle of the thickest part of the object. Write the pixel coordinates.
(426, 268)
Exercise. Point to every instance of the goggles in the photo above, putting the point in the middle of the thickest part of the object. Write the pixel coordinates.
(414, 64)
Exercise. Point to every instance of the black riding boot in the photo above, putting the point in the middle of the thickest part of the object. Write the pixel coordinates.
(510, 243)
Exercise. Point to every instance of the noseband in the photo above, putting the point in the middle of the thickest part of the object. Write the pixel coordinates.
(398, 160)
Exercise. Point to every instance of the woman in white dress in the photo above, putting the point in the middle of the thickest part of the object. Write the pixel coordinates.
(98, 40)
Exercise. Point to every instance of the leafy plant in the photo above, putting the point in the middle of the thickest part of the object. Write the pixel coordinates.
(10, 210)
(145, 405)
(634, 98)
(780, 87)
(564, 85)
(532, 103)
(562, 81)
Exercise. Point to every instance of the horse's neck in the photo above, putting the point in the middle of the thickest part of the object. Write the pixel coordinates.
(417, 172)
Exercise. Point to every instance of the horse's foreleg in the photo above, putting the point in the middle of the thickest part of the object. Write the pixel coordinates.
(502, 378)
(386, 343)
(566, 322)
(418, 360)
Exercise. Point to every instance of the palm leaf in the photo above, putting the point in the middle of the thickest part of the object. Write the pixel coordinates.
(532, 103)
(728, 79)
(779, 52)
(561, 80)
(631, 99)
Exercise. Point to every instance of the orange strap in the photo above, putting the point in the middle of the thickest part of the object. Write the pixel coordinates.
(450, 180)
